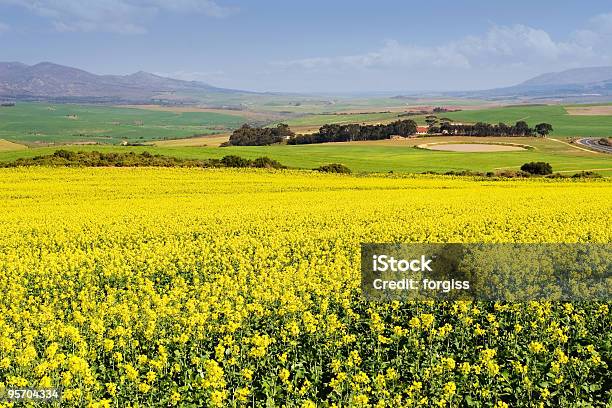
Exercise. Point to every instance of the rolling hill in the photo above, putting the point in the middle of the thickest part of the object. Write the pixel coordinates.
(580, 84)
(48, 81)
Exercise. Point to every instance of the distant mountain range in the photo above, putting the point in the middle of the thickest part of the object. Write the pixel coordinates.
(48, 81)
(53, 82)
(592, 83)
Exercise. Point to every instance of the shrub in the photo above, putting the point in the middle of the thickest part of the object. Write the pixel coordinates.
(334, 168)
(540, 168)
(587, 174)
(64, 154)
(266, 163)
(130, 159)
(513, 174)
(235, 161)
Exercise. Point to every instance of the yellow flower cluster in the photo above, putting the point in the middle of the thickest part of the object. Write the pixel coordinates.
(210, 287)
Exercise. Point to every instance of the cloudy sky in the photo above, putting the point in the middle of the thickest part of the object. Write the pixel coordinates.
(315, 45)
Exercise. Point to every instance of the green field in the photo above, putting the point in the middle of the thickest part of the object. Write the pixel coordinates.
(377, 157)
(37, 124)
(320, 119)
(564, 125)
(41, 123)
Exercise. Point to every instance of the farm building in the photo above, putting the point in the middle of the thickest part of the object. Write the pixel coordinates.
(422, 130)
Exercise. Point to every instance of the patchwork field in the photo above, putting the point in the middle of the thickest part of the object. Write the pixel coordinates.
(382, 156)
(194, 287)
(564, 124)
(570, 121)
(171, 131)
(41, 124)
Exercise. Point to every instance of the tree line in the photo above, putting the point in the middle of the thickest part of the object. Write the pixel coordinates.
(248, 135)
(520, 128)
(355, 132)
(256, 136)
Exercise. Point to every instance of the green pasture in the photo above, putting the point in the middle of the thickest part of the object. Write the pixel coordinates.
(375, 158)
(564, 125)
(43, 123)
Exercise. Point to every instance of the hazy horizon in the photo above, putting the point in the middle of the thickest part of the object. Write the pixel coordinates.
(315, 47)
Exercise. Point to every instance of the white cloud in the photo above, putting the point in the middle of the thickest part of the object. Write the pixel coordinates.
(500, 46)
(597, 37)
(4, 28)
(121, 16)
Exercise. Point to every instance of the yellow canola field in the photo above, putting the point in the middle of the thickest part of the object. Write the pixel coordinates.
(212, 287)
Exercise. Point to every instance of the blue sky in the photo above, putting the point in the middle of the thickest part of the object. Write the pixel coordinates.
(314, 46)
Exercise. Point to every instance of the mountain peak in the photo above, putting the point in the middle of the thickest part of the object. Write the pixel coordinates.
(47, 80)
(575, 76)
(143, 74)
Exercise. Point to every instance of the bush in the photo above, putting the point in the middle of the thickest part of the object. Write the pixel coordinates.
(235, 161)
(145, 159)
(266, 163)
(587, 174)
(334, 168)
(512, 174)
(64, 154)
(539, 168)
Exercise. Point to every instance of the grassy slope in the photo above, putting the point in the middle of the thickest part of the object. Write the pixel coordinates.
(46, 123)
(373, 157)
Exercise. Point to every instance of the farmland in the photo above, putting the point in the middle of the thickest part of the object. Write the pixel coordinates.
(41, 124)
(564, 124)
(170, 131)
(598, 124)
(193, 287)
(379, 156)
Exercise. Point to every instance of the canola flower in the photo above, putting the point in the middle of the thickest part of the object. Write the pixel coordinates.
(193, 287)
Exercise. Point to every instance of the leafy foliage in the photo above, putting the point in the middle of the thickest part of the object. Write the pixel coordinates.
(259, 136)
(520, 128)
(70, 158)
(334, 168)
(540, 168)
(356, 132)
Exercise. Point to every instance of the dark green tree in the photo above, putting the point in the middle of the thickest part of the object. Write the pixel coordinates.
(543, 129)
(540, 168)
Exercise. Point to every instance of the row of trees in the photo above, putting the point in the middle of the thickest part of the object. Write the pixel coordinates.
(520, 128)
(256, 136)
(356, 132)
